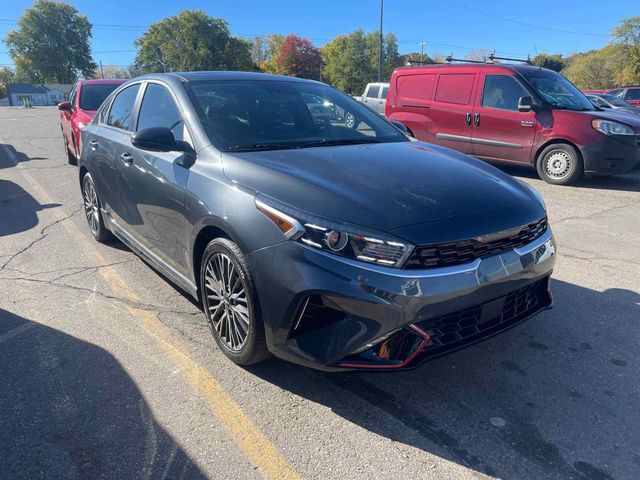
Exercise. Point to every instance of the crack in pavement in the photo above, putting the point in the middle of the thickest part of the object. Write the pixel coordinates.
(594, 214)
(126, 302)
(76, 270)
(42, 236)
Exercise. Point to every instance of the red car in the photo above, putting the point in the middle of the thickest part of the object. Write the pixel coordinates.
(84, 99)
(630, 94)
(514, 113)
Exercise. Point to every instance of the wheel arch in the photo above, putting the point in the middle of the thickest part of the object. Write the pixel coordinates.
(555, 141)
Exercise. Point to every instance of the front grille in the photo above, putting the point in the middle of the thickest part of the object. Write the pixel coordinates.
(465, 251)
(457, 329)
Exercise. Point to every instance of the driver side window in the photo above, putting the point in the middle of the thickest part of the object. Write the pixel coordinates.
(502, 91)
(160, 110)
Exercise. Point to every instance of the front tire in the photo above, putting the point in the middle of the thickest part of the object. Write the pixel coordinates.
(230, 304)
(560, 164)
(92, 210)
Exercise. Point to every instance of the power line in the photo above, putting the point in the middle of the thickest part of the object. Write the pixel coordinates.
(526, 24)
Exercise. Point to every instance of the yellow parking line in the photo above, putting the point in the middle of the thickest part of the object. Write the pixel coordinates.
(255, 445)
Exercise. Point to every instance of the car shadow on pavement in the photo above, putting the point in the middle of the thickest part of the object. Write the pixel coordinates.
(628, 183)
(18, 209)
(68, 409)
(20, 157)
(555, 397)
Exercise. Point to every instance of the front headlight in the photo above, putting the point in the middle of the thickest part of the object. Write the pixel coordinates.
(534, 191)
(338, 238)
(609, 127)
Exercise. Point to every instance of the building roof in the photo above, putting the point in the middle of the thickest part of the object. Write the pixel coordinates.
(25, 88)
(61, 87)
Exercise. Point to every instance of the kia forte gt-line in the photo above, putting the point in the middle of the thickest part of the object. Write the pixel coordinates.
(330, 245)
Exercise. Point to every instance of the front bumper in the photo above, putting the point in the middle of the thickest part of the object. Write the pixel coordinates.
(332, 313)
(612, 155)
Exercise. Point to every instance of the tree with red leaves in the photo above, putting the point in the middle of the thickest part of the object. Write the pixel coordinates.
(298, 58)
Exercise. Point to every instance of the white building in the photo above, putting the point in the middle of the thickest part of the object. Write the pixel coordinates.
(50, 94)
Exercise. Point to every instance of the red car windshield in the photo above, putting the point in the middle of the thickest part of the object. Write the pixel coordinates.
(92, 96)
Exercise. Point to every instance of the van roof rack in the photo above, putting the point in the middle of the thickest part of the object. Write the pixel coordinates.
(491, 58)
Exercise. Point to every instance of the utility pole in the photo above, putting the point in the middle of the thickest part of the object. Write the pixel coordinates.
(380, 45)
(101, 70)
(422, 51)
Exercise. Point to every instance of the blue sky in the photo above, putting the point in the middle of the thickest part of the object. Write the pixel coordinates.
(512, 27)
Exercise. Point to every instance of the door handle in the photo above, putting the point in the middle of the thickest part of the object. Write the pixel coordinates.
(476, 119)
(94, 145)
(127, 158)
(380, 101)
(467, 119)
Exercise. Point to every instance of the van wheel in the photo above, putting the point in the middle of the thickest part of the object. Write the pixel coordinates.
(560, 164)
(229, 300)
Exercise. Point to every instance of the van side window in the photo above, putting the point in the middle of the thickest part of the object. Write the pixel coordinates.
(502, 91)
(455, 88)
(373, 91)
(385, 89)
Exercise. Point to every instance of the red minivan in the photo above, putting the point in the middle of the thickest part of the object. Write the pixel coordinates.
(514, 113)
(84, 99)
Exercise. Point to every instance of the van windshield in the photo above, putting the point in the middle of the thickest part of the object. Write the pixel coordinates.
(557, 90)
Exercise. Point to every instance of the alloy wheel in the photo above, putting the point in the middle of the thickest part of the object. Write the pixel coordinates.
(558, 164)
(226, 301)
(91, 206)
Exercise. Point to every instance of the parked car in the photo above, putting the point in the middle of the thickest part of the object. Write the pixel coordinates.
(630, 94)
(375, 97)
(84, 99)
(609, 102)
(322, 111)
(514, 113)
(586, 92)
(333, 247)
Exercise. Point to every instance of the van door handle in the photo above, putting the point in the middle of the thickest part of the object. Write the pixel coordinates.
(94, 145)
(127, 158)
(467, 119)
(476, 119)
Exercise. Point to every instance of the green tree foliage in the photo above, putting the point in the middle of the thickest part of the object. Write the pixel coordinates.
(112, 71)
(351, 61)
(600, 69)
(6, 76)
(190, 41)
(417, 57)
(553, 62)
(628, 33)
(51, 44)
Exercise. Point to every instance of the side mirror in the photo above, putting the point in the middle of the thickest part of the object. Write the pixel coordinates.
(159, 139)
(525, 104)
(401, 127)
(64, 106)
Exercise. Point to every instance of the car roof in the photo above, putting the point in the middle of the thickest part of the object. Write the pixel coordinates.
(103, 81)
(479, 66)
(225, 75)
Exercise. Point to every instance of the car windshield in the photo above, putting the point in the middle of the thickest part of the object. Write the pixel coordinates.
(251, 115)
(615, 101)
(557, 90)
(92, 96)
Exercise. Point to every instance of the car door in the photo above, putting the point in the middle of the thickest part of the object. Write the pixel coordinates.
(371, 94)
(500, 131)
(66, 118)
(632, 96)
(451, 110)
(154, 183)
(106, 144)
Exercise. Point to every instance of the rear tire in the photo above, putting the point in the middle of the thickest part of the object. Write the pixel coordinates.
(229, 300)
(560, 164)
(93, 210)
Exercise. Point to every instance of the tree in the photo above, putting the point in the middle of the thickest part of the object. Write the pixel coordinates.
(298, 58)
(351, 61)
(272, 48)
(600, 69)
(553, 62)
(628, 33)
(189, 41)
(112, 71)
(479, 55)
(417, 57)
(6, 76)
(51, 44)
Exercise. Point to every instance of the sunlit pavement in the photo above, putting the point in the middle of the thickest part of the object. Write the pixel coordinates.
(108, 371)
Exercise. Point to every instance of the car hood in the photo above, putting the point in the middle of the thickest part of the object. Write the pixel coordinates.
(387, 186)
(618, 115)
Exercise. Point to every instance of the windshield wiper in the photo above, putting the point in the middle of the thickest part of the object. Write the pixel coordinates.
(342, 141)
(259, 147)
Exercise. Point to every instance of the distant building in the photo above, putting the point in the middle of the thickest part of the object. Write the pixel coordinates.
(50, 94)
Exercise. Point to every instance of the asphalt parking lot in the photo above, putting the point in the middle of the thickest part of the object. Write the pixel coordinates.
(108, 371)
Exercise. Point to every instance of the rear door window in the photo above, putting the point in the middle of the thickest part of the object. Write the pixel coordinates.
(385, 89)
(455, 88)
(121, 112)
(502, 92)
(373, 91)
(415, 88)
(632, 94)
